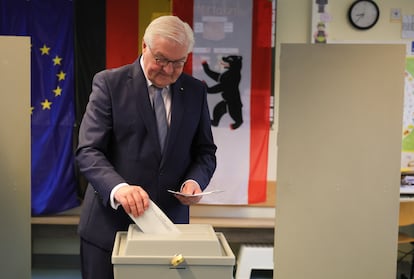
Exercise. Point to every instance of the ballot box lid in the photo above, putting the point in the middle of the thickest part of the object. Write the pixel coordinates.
(192, 240)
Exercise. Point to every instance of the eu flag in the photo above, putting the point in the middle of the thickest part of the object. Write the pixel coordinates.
(49, 23)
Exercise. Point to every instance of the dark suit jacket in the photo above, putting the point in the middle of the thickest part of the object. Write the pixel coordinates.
(118, 143)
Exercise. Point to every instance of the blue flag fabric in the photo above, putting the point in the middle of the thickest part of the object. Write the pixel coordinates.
(50, 25)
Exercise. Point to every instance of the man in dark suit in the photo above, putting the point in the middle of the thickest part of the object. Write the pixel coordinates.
(120, 152)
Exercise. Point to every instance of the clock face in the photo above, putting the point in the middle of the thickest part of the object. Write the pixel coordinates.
(363, 14)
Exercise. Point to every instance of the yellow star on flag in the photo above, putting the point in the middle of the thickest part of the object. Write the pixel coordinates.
(57, 60)
(46, 104)
(61, 75)
(44, 50)
(31, 110)
(57, 91)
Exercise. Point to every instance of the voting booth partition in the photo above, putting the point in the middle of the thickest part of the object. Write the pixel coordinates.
(339, 157)
(15, 157)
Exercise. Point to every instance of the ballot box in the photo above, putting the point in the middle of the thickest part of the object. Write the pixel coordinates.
(197, 251)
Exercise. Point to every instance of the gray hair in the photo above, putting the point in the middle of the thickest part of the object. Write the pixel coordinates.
(170, 27)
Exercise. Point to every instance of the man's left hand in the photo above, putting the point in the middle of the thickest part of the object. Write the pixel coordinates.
(190, 188)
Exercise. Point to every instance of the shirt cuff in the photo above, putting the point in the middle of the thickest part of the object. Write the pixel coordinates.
(114, 203)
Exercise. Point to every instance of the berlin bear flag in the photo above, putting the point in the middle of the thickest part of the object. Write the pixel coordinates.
(233, 56)
(49, 23)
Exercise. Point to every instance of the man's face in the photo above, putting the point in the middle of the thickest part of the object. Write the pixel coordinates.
(163, 61)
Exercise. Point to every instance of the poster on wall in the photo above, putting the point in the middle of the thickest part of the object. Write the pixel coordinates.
(407, 158)
(232, 56)
(320, 21)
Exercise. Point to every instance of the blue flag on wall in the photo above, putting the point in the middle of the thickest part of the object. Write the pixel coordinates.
(50, 25)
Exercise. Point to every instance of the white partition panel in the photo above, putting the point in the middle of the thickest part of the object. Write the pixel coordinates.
(339, 148)
(15, 246)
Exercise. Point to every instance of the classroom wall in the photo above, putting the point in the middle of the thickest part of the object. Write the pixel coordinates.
(294, 23)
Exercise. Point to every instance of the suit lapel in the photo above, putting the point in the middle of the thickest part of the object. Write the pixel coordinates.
(177, 114)
(138, 85)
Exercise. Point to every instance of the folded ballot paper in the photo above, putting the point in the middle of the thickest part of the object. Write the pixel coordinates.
(155, 221)
(195, 195)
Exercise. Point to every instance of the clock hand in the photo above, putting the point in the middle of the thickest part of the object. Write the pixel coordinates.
(359, 16)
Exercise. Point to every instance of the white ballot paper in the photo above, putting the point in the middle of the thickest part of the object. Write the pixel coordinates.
(195, 195)
(155, 221)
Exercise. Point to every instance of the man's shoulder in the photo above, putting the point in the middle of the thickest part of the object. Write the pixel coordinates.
(121, 71)
(189, 79)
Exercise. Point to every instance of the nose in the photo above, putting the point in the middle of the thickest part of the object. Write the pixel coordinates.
(168, 68)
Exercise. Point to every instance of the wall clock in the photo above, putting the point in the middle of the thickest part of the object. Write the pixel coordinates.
(363, 14)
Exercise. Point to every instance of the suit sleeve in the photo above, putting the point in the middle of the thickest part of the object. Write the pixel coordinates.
(204, 149)
(94, 137)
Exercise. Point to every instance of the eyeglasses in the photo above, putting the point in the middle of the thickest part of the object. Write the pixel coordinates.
(162, 62)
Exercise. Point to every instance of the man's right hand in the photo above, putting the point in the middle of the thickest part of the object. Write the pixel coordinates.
(133, 199)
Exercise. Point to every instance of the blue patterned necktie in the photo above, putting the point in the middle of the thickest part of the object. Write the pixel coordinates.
(160, 115)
